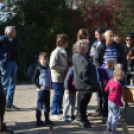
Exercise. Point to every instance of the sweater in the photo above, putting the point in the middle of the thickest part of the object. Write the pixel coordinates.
(114, 90)
(99, 53)
(58, 65)
(85, 78)
(42, 77)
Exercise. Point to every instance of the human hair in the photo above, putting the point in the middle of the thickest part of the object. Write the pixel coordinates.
(107, 32)
(82, 31)
(9, 29)
(61, 39)
(43, 55)
(80, 44)
(118, 67)
(129, 34)
(111, 61)
(119, 70)
(100, 30)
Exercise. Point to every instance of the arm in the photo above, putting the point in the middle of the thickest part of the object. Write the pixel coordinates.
(54, 63)
(36, 77)
(107, 88)
(97, 60)
(118, 95)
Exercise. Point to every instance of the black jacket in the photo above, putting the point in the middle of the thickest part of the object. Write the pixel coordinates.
(98, 58)
(85, 78)
(7, 47)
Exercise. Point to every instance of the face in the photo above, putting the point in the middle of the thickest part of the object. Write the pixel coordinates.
(110, 66)
(43, 61)
(117, 40)
(110, 39)
(119, 77)
(65, 45)
(13, 33)
(129, 41)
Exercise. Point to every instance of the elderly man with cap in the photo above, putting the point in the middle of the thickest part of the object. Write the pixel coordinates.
(8, 45)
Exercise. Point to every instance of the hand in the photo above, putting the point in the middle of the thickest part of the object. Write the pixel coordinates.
(67, 91)
(128, 58)
(132, 58)
(42, 88)
(105, 83)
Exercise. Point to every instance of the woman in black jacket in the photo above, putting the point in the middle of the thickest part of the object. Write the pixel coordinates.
(129, 51)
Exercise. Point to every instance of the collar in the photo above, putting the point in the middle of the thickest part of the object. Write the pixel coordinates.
(110, 46)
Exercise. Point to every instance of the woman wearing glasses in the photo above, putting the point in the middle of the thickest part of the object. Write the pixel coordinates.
(129, 51)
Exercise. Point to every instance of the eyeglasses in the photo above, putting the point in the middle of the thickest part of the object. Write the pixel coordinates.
(128, 39)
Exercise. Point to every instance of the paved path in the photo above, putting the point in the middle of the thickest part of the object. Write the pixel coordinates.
(23, 121)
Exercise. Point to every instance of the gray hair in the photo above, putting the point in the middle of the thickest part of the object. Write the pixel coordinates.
(9, 29)
(107, 32)
(80, 44)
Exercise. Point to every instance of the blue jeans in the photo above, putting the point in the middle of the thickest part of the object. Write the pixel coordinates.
(113, 115)
(57, 98)
(9, 80)
(43, 100)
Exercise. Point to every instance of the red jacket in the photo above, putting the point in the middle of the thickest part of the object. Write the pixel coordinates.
(114, 89)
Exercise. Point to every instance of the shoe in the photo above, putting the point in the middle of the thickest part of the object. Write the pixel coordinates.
(48, 122)
(84, 124)
(72, 118)
(12, 107)
(104, 119)
(64, 118)
(88, 122)
(40, 123)
(117, 132)
(61, 112)
(109, 130)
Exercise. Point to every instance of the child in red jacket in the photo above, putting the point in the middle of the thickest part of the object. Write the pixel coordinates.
(114, 90)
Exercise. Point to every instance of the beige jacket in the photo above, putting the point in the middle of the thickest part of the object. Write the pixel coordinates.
(58, 65)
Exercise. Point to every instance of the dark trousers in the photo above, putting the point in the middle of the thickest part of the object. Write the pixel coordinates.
(2, 112)
(84, 100)
(57, 98)
(43, 100)
(128, 78)
(105, 105)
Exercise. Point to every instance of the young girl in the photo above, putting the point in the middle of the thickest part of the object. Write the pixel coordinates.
(114, 90)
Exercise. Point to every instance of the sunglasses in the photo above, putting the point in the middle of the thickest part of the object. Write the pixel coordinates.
(129, 39)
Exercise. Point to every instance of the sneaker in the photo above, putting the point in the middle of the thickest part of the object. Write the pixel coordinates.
(64, 118)
(12, 107)
(48, 122)
(40, 123)
(117, 131)
(72, 118)
(109, 130)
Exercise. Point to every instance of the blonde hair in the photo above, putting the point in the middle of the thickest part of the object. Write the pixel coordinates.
(118, 70)
(111, 61)
(80, 44)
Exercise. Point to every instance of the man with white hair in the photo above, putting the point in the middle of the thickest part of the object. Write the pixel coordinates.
(8, 45)
(108, 49)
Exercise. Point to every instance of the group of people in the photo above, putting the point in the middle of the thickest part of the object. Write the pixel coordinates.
(99, 68)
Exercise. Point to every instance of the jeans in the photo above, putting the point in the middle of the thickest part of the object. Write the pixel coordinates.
(113, 115)
(84, 100)
(9, 80)
(69, 101)
(57, 98)
(43, 100)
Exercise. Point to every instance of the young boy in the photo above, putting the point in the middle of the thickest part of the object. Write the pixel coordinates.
(70, 95)
(42, 80)
(106, 73)
(114, 90)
